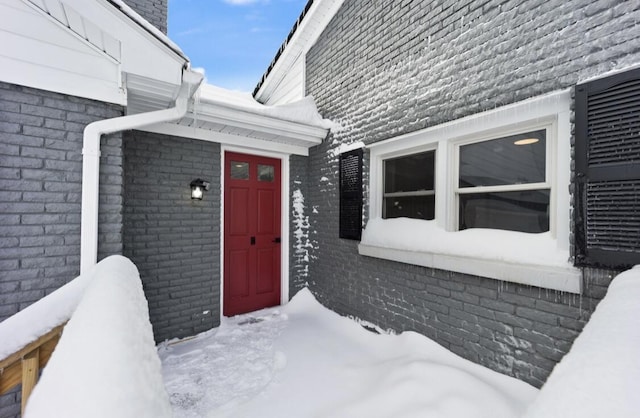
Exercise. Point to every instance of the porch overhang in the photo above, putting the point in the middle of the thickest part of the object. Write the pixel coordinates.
(231, 118)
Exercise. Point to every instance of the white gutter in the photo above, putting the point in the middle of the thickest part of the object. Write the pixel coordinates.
(91, 160)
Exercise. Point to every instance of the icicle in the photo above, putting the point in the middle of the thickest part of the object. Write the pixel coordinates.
(580, 307)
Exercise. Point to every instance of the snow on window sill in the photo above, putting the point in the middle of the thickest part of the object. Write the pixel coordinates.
(530, 259)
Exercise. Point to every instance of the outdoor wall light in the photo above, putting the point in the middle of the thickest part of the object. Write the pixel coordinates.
(526, 141)
(198, 187)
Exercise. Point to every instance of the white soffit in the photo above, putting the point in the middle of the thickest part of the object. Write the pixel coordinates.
(236, 118)
(216, 122)
(305, 36)
(146, 94)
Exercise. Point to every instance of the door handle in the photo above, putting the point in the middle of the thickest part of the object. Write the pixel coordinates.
(276, 240)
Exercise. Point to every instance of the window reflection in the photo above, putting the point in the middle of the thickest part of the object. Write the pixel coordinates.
(516, 159)
(524, 211)
(239, 170)
(409, 186)
(265, 173)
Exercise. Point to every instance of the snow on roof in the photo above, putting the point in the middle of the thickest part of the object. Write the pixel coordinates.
(284, 44)
(315, 16)
(133, 15)
(303, 111)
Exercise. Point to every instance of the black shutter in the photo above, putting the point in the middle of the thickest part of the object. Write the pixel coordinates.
(607, 155)
(351, 194)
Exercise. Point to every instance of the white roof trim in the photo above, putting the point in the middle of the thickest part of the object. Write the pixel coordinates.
(305, 36)
(288, 147)
(235, 118)
(149, 27)
(41, 52)
(117, 33)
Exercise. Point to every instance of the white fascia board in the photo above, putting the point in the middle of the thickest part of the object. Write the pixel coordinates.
(142, 53)
(305, 36)
(245, 142)
(262, 123)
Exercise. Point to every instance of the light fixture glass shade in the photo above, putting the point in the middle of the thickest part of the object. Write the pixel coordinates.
(196, 192)
(198, 187)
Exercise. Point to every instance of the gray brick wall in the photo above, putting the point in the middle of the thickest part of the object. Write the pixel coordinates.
(385, 68)
(299, 231)
(154, 11)
(397, 67)
(172, 239)
(40, 195)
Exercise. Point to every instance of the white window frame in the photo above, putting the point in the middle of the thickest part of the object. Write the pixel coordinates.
(420, 150)
(550, 126)
(550, 112)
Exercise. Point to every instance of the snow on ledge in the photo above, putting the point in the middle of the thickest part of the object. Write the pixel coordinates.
(599, 376)
(26, 326)
(106, 363)
(531, 259)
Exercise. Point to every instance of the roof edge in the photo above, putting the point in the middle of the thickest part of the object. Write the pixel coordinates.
(147, 26)
(284, 44)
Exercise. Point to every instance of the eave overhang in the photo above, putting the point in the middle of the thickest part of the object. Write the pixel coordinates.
(225, 124)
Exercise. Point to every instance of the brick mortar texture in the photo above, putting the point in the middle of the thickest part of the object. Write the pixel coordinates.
(299, 231)
(382, 69)
(173, 240)
(41, 137)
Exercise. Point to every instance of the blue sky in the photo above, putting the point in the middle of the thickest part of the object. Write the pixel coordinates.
(233, 40)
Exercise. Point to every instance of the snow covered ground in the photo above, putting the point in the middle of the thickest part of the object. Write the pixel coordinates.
(302, 360)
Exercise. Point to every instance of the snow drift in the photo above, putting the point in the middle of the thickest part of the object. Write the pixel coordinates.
(105, 364)
(303, 360)
(600, 375)
(26, 326)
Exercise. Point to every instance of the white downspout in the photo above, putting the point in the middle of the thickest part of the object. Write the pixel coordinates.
(91, 161)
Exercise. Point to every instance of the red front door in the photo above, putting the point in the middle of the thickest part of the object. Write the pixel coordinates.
(251, 233)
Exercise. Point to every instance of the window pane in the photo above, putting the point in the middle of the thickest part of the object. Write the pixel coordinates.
(516, 159)
(265, 173)
(417, 207)
(239, 170)
(524, 211)
(410, 173)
